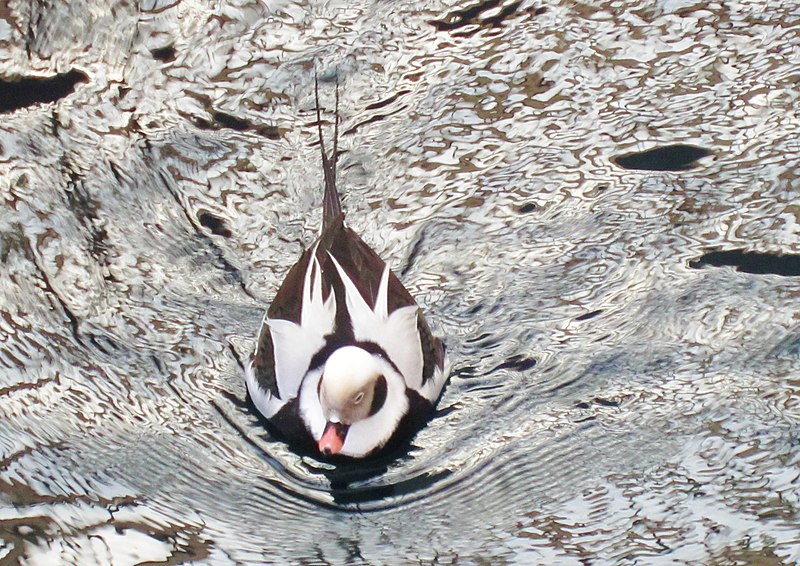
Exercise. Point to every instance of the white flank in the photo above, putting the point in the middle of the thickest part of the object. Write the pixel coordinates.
(309, 406)
(295, 344)
(433, 387)
(266, 404)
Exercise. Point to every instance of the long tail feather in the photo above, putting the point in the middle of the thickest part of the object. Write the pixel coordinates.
(331, 205)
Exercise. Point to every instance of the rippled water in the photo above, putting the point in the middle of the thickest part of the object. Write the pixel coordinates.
(625, 383)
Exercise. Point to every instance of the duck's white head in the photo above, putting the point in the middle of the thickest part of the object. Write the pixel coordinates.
(347, 391)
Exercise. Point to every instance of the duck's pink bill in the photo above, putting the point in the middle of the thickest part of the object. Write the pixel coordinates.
(332, 439)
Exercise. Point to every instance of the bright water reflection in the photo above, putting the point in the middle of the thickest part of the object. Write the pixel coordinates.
(615, 396)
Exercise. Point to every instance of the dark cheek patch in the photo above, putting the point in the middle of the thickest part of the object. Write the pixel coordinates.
(379, 397)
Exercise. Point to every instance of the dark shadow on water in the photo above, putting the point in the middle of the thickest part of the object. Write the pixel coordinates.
(225, 120)
(517, 362)
(751, 262)
(678, 157)
(597, 401)
(166, 54)
(484, 14)
(214, 223)
(24, 92)
(589, 315)
(345, 476)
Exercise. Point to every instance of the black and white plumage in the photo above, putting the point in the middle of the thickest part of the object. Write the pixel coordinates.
(345, 362)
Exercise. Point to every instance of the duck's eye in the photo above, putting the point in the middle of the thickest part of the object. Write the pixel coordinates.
(358, 398)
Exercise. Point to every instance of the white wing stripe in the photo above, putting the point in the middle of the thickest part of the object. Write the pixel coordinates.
(295, 344)
(382, 300)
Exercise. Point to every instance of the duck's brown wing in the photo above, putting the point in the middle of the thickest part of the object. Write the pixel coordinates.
(365, 269)
(301, 315)
(375, 307)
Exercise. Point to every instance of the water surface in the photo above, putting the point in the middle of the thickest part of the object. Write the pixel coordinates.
(620, 393)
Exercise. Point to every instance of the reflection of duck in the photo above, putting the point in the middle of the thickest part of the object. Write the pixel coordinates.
(345, 362)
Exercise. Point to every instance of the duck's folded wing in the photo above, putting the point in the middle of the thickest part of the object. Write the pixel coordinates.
(380, 310)
(396, 333)
(293, 331)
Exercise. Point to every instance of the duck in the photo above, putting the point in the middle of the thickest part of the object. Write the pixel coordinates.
(345, 366)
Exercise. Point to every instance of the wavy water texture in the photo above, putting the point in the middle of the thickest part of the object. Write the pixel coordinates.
(574, 193)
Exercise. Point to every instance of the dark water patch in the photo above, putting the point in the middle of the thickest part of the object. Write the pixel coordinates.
(12, 239)
(228, 121)
(486, 341)
(204, 252)
(475, 309)
(518, 362)
(526, 208)
(594, 403)
(240, 124)
(466, 372)
(751, 262)
(461, 18)
(214, 223)
(104, 344)
(474, 16)
(388, 101)
(678, 157)
(415, 251)
(232, 122)
(788, 348)
(24, 92)
(505, 12)
(370, 120)
(165, 54)
(589, 315)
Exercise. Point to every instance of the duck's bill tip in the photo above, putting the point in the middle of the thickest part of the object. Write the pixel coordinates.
(332, 439)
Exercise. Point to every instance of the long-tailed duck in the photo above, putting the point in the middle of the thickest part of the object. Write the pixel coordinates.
(345, 362)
